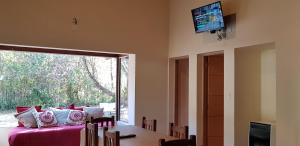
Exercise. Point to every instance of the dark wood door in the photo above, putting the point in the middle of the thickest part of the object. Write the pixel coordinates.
(181, 93)
(214, 100)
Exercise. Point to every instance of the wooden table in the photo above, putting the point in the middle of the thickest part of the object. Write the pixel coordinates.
(143, 137)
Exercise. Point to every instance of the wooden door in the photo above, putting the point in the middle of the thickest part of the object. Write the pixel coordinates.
(214, 100)
(181, 92)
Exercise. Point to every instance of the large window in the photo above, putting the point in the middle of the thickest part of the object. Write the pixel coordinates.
(58, 80)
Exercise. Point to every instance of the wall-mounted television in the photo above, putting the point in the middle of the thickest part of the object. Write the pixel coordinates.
(208, 18)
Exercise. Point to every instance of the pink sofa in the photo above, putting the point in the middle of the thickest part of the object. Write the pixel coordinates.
(55, 136)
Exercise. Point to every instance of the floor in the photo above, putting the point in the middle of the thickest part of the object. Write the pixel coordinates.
(7, 119)
(4, 136)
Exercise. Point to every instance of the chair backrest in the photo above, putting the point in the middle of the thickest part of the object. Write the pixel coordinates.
(111, 138)
(104, 121)
(179, 132)
(179, 142)
(91, 134)
(149, 124)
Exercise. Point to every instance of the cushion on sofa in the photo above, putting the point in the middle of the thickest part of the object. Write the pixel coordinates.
(76, 117)
(26, 118)
(45, 119)
(20, 109)
(73, 107)
(79, 108)
(61, 115)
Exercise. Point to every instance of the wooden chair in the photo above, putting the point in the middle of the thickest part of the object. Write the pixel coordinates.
(104, 121)
(179, 142)
(91, 134)
(149, 124)
(111, 138)
(179, 132)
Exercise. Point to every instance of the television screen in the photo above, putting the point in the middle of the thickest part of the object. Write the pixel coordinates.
(208, 18)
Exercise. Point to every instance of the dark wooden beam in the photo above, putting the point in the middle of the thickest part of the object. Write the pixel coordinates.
(59, 51)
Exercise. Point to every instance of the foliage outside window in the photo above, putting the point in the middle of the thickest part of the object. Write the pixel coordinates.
(54, 80)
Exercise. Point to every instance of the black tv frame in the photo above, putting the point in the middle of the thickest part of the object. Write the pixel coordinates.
(206, 6)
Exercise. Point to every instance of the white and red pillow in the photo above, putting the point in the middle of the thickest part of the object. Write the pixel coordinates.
(21, 109)
(26, 118)
(76, 117)
(45, 119)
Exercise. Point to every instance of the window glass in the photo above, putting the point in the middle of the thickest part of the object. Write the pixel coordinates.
(54, 80)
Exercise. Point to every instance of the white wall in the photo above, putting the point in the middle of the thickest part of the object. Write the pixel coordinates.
(288, 71)
(229, 97)
(257, 22)
(48, 23)
(255, 88)
(131, 89)
(247, 92)
(249, 29)
(193, 106)
(268, 83)
(132, 26)
(171, 93)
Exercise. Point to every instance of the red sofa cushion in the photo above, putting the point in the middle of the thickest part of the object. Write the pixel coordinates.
(78, 108)
(73, 107)
(20, 109)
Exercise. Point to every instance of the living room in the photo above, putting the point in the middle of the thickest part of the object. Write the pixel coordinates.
(159, 32)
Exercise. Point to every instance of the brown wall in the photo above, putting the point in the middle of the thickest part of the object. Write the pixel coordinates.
(182, 89)
(200, 100)
(214, 99)
(132, 26)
